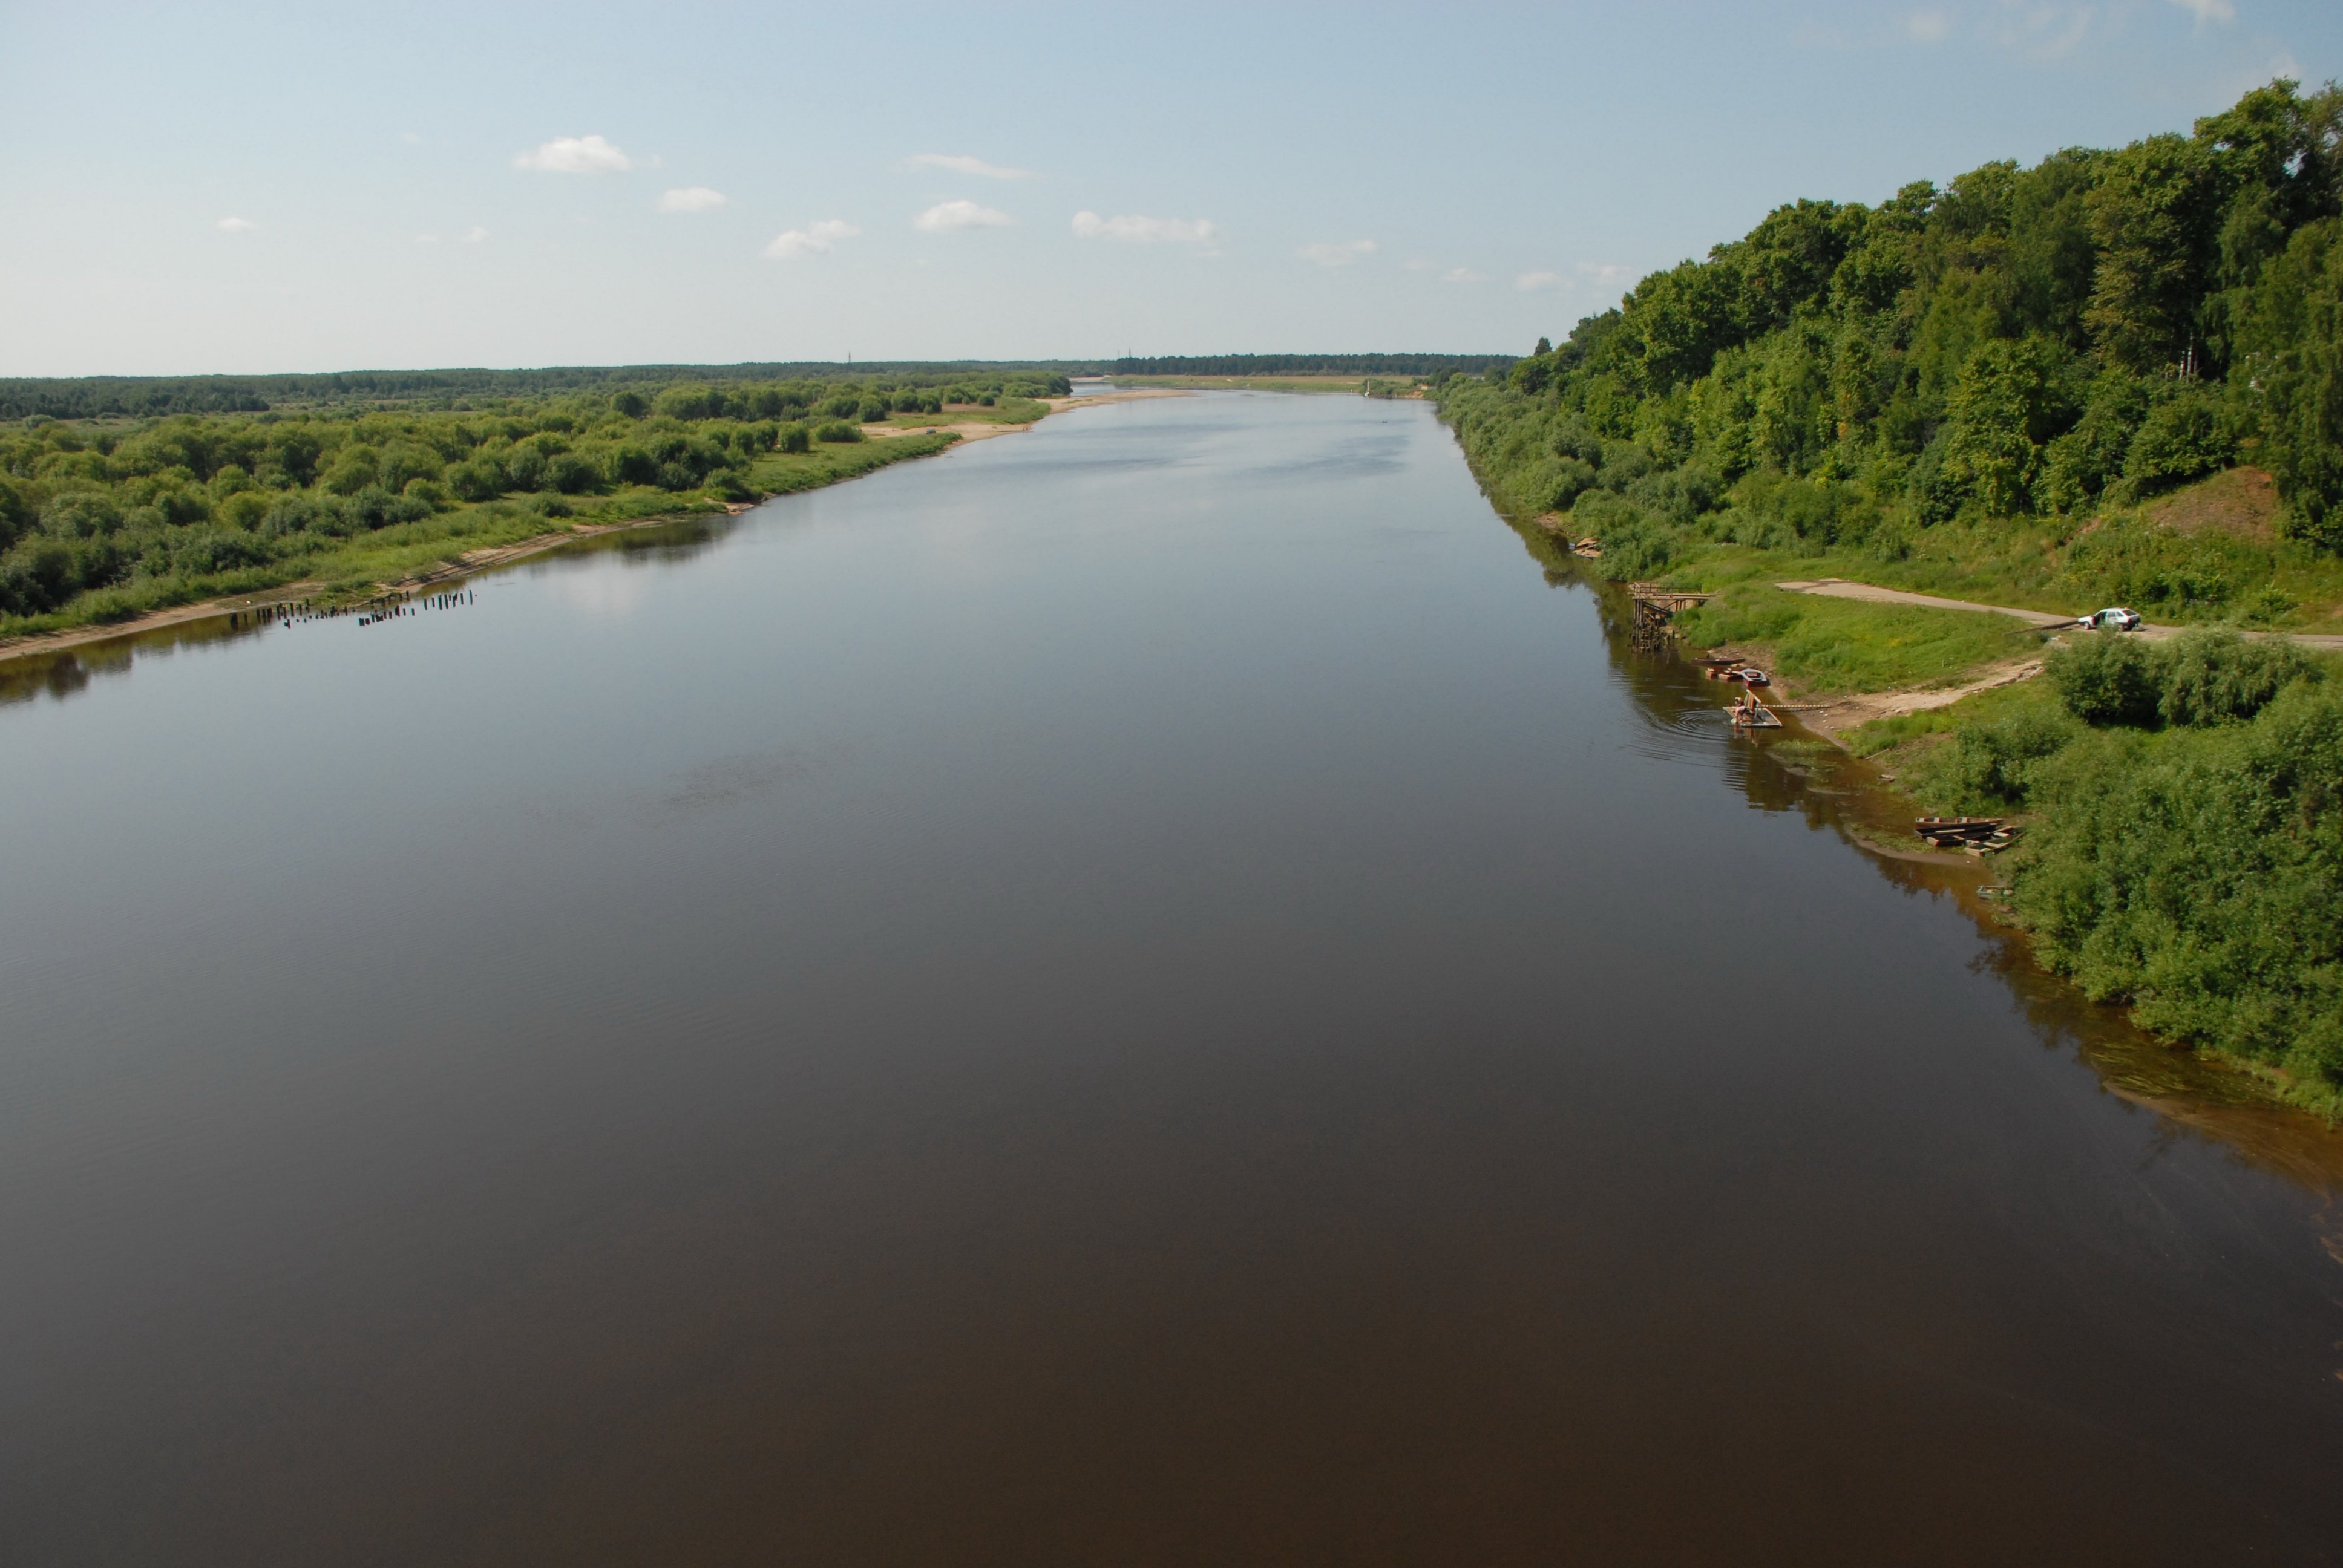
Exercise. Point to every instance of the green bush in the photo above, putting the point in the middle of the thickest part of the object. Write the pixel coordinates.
(1992, 764)
(838, 430)
(2107, 678)
(2200, 875)
(794, 437)
(2181, 440)
(2216, 678)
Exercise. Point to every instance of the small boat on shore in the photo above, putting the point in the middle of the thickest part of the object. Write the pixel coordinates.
(1966, 832)
(1751, 714)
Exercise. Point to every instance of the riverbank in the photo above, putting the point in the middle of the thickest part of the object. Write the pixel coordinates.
(405, 559)
(394, 565)
(106, 520)
(2137, 836)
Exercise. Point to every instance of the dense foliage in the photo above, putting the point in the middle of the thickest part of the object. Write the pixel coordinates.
(1980, 388)
(2027, 342)
(148, 512)
(153, 397)
(2186, 846)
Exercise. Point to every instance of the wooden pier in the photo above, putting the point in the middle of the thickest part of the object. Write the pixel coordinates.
(1655, 606)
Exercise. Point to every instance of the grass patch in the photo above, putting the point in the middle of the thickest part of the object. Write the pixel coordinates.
(1834, 647)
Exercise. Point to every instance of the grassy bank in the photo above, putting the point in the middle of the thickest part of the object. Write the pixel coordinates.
(2184, 849)
(2111, 378)
(104, 519)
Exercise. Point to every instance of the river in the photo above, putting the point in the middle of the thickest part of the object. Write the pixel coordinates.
(1152, 990)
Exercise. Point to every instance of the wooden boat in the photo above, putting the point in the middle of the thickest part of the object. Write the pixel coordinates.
(1965, 832)
(1752, 715)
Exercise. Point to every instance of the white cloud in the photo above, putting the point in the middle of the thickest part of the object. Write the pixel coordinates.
(427, 239)
(1604, 274)
(238, 224)
(474, 235)
(1420, 264)
(814, 239)
(1133, 229)
(412, 138)
(1538, 282)
(2208, 10)
(692, 199)
(2045, 31)
(946, 217)
(1928, 27)
(579, 155)
(960, 164)
(1337, 254)
(1462, 275)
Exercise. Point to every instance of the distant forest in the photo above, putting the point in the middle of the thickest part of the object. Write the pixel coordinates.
(154, 396)
(157, 396)
(1310, 365)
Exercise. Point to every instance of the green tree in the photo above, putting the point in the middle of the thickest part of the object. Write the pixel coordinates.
(2155, 214)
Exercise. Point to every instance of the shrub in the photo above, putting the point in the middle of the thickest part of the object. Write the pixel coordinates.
(2204, 882)
(1634, 544)
(2217, 676)
(298, 515)
(375, 508)
(572, 475)
(244, 510)
(353, 471)
(687, 403)
(838, 430)
(524, 470)
(481, 479)
(2107, 678)
(2182, 439)
(81, 515)
(633, 465)
(1991, 763)
(795, 437)
(200, 552)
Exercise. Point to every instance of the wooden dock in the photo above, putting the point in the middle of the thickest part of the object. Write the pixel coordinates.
(1655, 606)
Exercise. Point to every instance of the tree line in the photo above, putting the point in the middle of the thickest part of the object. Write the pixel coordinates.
(1309, 365)
(142, 396)
(154, 509)
(2023, 342)
(2002, 371)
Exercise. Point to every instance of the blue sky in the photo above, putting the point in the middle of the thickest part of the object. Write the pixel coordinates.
(253, 188)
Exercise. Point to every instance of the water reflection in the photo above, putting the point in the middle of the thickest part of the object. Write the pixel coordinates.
(1792, 770)
(1056, 1004)
(69, 671)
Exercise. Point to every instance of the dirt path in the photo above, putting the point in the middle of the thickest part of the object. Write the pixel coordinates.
(1840, 587)
(1835, 718)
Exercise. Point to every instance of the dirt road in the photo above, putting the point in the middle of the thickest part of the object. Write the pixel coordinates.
(1840, 587)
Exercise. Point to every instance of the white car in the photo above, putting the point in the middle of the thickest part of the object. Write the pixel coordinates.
(2112, 618)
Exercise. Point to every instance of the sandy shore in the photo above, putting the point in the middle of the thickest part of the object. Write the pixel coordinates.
(985, 430)
(1840, 587)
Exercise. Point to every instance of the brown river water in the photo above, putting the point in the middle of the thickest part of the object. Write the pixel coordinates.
(1152, 991)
